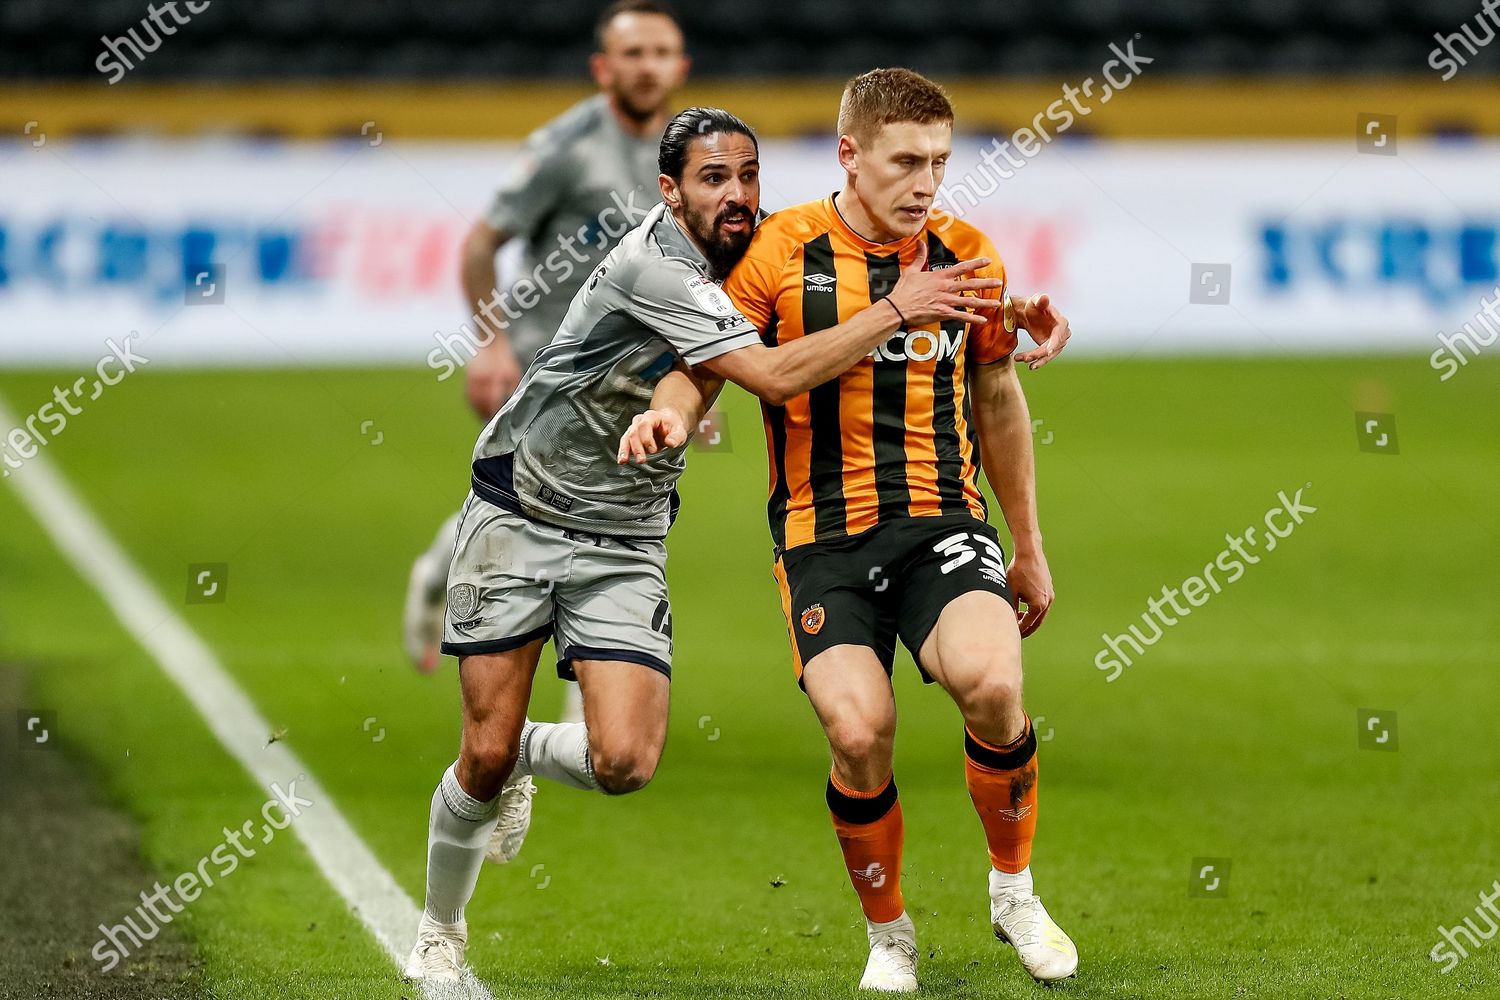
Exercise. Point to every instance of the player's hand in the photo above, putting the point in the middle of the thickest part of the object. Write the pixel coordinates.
(925, 296)
(1046, 325)
(651, 432)
(491, 377)
(1031, 582)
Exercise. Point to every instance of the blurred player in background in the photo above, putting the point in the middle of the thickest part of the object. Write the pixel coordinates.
(549, 495)
(875, 508)
(584, 180)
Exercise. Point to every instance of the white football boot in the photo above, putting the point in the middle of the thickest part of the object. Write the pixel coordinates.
(1019, 918)
(438, 956)
(892, 967)
(422, 614)
(515, 820)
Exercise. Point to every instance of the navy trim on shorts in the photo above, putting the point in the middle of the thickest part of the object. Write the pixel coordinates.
(493, 481)
(565, 661)
(496, 645)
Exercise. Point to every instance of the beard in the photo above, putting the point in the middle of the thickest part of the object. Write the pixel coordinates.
(722, 249)
(631, 107)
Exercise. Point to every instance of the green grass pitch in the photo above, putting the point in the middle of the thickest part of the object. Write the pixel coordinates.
(1235, 736)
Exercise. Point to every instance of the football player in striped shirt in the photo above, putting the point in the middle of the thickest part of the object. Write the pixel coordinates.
(558, 543)
(880, 527)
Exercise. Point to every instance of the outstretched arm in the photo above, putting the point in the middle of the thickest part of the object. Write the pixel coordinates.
(1003, 421)
(678, 405)
(777, 374)
(494, 372)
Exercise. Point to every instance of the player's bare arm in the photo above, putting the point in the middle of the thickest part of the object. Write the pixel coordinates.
(1004, 423)
(777, 374)
(1045, 324)
(920, 297)
(678, 405)
(495, 372)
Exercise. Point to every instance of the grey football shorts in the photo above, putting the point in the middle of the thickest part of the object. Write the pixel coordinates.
(514, 580)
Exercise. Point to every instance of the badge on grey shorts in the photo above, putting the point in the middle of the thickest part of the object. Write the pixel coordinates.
(463, 601)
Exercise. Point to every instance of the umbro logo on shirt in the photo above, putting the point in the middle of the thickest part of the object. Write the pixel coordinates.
(820, 282)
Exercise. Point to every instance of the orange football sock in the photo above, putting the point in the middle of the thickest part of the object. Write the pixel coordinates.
(871, 833)
(1002, 783)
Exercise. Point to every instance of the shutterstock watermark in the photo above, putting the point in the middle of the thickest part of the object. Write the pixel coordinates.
(25, 438)
(455, 350)
(1449, 358)
(118, 941)
(153, 26)
(1231, 561)
(1446, 58)
(1453, 953)
(1029, 140)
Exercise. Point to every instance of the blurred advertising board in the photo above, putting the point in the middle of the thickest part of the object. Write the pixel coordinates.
(225, 252)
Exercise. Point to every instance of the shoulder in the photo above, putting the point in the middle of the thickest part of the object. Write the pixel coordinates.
(560, 136)
(649, 256)
(951, 239)
(779, 235)
(962, 238)
(793, 226)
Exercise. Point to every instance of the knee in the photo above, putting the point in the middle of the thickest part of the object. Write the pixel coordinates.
(622, 769)
(488, 762)
(994, 697)
(863, 743)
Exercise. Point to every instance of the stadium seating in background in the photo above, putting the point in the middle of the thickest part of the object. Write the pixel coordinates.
(44, 40)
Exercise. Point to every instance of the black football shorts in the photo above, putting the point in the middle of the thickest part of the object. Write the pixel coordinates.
(892, 580)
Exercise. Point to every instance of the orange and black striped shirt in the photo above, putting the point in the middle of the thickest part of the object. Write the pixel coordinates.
(891, 437)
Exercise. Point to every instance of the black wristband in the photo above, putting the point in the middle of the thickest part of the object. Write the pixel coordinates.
(897, 308)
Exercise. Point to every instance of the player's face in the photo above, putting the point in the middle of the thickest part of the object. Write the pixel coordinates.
(642, 63)
(897, 174)
(719, 196)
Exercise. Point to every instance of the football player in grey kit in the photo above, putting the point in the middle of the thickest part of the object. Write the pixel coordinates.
(583, 180)
(558, 540)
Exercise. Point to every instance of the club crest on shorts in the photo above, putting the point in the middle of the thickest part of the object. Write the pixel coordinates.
(812, 619)
(463, 601)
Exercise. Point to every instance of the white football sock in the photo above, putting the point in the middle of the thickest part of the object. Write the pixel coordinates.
(1020, 882)
(572, 704)
(874, 928)
(458, 828)
(557, 751)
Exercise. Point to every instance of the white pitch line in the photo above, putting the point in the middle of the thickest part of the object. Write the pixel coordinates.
(349, 865)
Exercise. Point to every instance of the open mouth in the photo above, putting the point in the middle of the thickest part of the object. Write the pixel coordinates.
(739, 222)
(915, 213)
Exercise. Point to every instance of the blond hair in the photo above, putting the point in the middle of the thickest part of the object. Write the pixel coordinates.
(882, 97)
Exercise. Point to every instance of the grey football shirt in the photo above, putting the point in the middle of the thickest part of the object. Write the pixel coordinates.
(581, 183)
(550, 452)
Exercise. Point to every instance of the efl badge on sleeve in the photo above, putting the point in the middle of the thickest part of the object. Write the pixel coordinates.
(709, 295)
